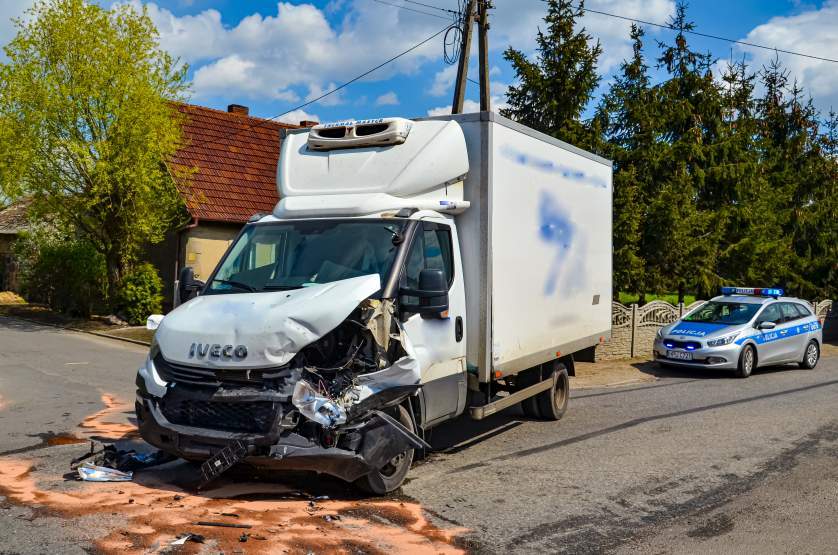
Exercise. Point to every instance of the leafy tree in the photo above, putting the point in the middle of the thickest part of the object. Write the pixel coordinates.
(683, 229)
(554, 90)
(88, 123)
(627, 118)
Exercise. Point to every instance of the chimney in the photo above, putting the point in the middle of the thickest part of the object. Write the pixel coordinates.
(308, 123)
(238, 109)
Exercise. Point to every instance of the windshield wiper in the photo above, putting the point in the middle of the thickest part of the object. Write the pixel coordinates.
(234, 283)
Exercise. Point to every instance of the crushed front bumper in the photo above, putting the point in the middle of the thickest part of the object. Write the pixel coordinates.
(725, 357)
(262, 421)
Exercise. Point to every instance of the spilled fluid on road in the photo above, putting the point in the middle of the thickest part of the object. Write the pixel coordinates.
(159, 505)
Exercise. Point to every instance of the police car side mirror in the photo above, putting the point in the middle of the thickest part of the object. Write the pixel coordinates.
(766, 326)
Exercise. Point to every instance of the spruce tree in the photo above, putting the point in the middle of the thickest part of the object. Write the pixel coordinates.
(554, 90)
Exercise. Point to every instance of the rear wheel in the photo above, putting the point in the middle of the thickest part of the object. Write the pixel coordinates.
(811, 356)
(524, 380)
(391, 476)
(552, 403)
(747, 362)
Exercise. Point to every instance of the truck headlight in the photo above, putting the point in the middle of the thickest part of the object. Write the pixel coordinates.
(726, 340)
(316, 407)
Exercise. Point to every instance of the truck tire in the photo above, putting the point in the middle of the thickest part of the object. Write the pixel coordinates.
(552, 403)
(811, 356)
(525, 379)
(392, 475)
(747, 362)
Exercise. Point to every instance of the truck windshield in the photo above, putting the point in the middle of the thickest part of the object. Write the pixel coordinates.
(290, 255)
(718, 312)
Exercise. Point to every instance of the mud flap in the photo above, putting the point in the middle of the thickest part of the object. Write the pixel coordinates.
(223, 461)
(384, 438)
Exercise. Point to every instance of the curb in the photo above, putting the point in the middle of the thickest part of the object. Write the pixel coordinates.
(77, 330)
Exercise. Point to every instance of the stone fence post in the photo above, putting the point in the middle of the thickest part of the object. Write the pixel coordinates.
(634, 322)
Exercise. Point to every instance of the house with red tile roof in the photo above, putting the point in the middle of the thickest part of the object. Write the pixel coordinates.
(226, 173)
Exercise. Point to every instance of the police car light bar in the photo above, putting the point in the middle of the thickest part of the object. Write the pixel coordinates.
(757, 291)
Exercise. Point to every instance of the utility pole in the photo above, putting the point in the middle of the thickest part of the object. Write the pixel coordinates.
(483, 54)
(462, 68)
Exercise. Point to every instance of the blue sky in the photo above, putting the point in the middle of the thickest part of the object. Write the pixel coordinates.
(272, 56)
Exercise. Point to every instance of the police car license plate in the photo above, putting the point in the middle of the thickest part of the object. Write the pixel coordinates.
(679, 355)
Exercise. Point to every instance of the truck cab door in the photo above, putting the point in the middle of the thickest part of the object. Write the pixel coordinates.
(439, 343)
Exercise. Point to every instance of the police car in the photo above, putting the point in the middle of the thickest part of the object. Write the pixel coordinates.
(743, 329)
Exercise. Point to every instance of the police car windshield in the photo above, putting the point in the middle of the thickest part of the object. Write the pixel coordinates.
(722, 312)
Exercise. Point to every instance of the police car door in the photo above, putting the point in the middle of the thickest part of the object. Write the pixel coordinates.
(793, 336)
(769, 348)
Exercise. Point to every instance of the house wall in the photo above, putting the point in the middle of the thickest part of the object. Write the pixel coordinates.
(204, 245)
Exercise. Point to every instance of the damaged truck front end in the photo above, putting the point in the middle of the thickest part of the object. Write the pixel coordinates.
(297, 376)
(338, 407)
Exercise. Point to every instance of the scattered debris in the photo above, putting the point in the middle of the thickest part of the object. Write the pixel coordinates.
(243, 537)
(234, 515)
(126, 462)
(331, 518)
(89, 472)
(222, 524)
(177, 497)
(188, 537)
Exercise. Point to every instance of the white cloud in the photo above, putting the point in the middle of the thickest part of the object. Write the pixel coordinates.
(297, 116)
(811, 32)
(387, 99)
(444, 81)
(295, 48)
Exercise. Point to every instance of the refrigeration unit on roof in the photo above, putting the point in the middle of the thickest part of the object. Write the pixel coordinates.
(361, 133)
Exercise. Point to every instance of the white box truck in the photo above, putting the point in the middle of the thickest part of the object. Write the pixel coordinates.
(412, 270)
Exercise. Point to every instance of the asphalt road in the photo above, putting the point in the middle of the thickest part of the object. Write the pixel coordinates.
(694, 462)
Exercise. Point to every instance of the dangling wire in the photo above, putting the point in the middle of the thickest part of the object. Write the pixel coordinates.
(453, 39)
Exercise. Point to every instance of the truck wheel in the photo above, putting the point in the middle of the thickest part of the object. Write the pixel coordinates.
(552, 403)
(810, 358)
(391, 476)
(747, 362)
(525, 379)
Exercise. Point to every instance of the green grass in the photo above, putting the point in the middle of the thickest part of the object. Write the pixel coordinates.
(672, 298)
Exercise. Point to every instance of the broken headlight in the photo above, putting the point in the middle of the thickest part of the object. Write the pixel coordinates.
(316, 407)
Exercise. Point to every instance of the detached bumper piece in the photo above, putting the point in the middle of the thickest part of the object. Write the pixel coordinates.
(223, 461)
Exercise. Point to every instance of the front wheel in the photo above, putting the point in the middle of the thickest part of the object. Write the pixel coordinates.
(810, 358)
(391, 476)
(747, 361)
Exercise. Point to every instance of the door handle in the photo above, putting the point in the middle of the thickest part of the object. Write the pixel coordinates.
(458, 328)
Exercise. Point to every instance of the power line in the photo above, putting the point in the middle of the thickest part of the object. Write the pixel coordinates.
(709, 36)
(331, 91)
(412, 9)
(434, 7)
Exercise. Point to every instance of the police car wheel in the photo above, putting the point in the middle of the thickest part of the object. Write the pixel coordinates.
(747, 362)
(810, 358)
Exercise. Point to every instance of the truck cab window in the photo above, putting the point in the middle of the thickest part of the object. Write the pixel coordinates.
(431, 250)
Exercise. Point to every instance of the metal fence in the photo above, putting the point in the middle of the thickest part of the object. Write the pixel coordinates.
(633, 327)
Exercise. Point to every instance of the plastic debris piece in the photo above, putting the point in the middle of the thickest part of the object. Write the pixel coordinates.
(222, 461)
(180, 541)
(89, 472)
(188, 537)
(222, 524)
(243, 537)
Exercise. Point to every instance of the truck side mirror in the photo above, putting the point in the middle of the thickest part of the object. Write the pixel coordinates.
(432, 295)
(188, 286)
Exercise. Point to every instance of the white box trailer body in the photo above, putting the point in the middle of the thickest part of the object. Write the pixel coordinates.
(536, 246)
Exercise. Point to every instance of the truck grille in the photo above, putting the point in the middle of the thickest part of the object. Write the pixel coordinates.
(214, 377)
(252, 417)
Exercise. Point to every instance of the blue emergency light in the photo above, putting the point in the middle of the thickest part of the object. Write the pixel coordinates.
(757, 291)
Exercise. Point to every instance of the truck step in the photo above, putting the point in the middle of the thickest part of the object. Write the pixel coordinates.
(481, 412)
